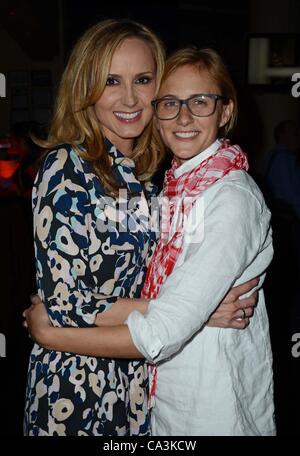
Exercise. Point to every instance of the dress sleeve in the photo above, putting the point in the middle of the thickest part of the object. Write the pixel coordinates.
(64, 235)
(228, 241)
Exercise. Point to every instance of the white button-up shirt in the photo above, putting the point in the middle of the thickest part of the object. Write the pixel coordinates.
(212, 381)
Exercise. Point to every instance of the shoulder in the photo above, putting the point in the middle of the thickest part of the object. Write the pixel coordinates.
(282, 157)
(62, 167)
(66, 161)
(62, 157)
(238, 189)
(233, 204)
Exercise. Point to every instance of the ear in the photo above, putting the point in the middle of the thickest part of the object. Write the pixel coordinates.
(226, 113)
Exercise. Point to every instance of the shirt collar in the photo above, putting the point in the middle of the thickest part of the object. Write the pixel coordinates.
(195, 161)
(118, 158)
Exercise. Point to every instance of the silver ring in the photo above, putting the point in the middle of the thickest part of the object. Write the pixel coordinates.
(244, 314)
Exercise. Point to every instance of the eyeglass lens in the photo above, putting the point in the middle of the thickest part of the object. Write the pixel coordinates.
(201, 105)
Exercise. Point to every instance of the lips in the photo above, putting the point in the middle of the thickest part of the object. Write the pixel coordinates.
(186, 134)
(128, 117)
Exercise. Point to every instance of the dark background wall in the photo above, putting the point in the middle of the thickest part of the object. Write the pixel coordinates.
(35, 40)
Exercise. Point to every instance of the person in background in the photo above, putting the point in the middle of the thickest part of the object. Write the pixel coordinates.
(283, 170)
(282, 185)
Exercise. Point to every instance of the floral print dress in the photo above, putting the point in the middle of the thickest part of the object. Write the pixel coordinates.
(90, 249)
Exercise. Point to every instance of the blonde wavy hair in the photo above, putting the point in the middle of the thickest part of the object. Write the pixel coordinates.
(209, 60)
(82, 84)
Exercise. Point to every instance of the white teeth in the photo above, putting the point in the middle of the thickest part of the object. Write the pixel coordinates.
(127, 115)
(186, 134)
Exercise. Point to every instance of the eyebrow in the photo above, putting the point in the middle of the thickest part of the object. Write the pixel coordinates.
(170, 95)
(139, 75)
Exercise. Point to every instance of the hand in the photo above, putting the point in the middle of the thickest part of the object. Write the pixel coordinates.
(234, 312)
(36, 319)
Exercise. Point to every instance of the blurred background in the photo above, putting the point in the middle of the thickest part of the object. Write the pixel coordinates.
(260, 42)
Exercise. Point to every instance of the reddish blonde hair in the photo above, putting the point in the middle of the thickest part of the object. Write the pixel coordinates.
(211, 61)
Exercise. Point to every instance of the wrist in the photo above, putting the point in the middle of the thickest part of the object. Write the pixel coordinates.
(45, 336)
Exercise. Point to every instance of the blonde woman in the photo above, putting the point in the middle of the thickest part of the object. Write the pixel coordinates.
(81, 268)
(92, 237)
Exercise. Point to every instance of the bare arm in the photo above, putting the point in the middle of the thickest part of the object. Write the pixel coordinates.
(105, 341)
(112, 339)
(120, 310)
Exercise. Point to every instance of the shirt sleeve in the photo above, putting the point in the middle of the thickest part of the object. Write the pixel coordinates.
(64, 234)
(226, 242)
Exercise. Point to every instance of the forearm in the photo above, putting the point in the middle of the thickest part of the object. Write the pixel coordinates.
(120, 311)
(105, 342)
(200, 279)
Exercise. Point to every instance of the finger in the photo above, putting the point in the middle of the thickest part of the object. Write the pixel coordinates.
(35, 299)
(249, 312)
(244, 288)
(27, 311)
(251, 301)
(240, 323)
(242, 314)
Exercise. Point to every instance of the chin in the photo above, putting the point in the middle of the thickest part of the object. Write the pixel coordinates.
(186, 155)
(134, 130)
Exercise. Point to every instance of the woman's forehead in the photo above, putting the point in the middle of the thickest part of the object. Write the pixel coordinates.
(189, 79)
(133, 53)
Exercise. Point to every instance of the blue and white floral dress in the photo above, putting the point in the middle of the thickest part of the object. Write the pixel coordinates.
(90, 249)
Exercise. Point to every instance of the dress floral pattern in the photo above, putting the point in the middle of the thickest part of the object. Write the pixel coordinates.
(90, 249)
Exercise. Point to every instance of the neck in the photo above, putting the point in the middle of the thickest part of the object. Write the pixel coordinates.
(123, 145)
(126, 148)
(180, 161)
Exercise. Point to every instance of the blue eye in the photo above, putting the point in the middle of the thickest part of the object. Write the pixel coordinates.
(111, 81)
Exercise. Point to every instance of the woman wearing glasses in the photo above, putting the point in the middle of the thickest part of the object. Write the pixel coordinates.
(215, 234)
(206, 381)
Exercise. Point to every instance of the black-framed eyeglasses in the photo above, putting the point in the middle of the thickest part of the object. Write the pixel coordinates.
(200, 105)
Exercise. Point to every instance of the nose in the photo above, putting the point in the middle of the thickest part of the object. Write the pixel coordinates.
(184, 117)
(129, 96)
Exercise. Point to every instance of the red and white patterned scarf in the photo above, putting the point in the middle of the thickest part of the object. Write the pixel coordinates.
(179, 196)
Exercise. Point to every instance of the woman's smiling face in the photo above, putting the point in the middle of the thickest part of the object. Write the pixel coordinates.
(188, 135)
(124, 109)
